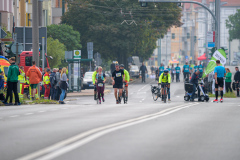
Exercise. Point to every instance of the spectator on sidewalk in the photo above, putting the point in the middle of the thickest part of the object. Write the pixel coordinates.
(63, 85)
(12, 80)
(53, 83)
(58, 90)
(228, 80)
(2, 98)
(237, 79)
(46, 83)
(35, 76)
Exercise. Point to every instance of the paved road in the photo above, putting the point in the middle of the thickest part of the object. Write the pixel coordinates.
(141, 129)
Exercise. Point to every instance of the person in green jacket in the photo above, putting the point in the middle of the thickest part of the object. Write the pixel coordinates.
(12, 80)
(228, 80)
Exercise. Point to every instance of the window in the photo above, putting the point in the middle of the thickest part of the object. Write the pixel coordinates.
(28, 61)
(173, 35)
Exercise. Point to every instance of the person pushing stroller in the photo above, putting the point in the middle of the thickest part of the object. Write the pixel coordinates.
(194, 82)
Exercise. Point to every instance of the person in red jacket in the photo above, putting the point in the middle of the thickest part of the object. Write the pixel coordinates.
(35, 76)
(46, 83)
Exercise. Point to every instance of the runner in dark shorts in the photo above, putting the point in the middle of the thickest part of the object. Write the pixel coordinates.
(117, 78)
(220, 73)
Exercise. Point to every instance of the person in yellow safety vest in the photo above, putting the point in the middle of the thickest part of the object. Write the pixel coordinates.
(46, 84)
(21, 79)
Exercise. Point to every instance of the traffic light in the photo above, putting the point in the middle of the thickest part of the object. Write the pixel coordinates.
(195, 39)
(225, 49)
(8, 50)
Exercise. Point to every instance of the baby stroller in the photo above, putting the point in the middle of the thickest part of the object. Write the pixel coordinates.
(189, 92)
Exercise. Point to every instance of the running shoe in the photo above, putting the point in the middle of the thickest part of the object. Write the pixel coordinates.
(216, 100)
(99, 101)
(116, 101)
(103, 99)
(221, 100)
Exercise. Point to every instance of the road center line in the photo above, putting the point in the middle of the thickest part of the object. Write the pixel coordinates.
(13, 116)
(72, 143)
(41, 111)
(28, 114)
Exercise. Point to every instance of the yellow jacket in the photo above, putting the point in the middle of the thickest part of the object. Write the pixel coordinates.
(46, 78)
(21, 76)
(165, 79)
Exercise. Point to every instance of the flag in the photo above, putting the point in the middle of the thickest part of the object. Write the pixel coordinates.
(217, 55)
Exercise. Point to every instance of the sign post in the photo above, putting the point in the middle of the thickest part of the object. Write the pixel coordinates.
(77, 54)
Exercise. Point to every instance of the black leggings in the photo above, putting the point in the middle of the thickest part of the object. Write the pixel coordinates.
(12, 87)
(228, 86)
(100, 92)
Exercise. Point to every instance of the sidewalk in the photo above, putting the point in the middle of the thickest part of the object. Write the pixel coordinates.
(87, 92)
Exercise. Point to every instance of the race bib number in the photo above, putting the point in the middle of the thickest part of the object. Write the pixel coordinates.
(186, 69)
(118, 74)
(100, 84)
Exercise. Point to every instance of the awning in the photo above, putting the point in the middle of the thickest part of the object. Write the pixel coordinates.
(202, 57)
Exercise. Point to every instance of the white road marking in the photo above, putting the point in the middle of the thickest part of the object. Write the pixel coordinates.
(140, 101)
(13, 116)
(81, 139)
(53, 109)
(145, 86)
(177, 96)
(41, 111)
(28, 114)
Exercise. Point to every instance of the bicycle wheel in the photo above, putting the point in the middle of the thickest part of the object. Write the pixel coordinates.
(155, 95)
(124, 97)
(165, 94)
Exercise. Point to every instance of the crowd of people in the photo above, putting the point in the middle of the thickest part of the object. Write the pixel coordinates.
(54, 84)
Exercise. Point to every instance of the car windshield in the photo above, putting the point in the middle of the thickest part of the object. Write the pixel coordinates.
(134, 68)
(88, 75)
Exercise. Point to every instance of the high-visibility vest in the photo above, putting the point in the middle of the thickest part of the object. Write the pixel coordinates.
(21, 76)
(46, 78)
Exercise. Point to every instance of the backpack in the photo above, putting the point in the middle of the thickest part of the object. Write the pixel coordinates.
(101, 76)
(53, 80)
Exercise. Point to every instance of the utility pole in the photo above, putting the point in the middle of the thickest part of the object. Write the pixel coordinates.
(217, 23)
(166, 49)
(159, 52)
(40, 10)
(35, 32)
(15, 12)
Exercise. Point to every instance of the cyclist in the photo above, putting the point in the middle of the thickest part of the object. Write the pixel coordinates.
(118, 79)
(164, 78)
(201, 69)
(185, 71)
(127, 77)
(220, 73)
(100, 80)
(93, 81)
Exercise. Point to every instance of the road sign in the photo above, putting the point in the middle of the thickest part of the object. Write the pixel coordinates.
(90, 46)
(186, 57)
(6, 39)
(3, 33)
(77, 54)
(68, 54)
(98, 61)
(14, 48)
(211, 44)
(211, 36)
(97, 55)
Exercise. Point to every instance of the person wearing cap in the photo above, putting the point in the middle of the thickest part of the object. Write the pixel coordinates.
(57, 86)
(117, 82)
(46, 83)
(93, 81)
(12, 80)
(164, 78)
(127, 77)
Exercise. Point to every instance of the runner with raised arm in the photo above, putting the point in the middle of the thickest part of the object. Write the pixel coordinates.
(93, 81)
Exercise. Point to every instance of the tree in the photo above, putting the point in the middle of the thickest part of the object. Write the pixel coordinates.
(66, 35)
(102, 22)
(233, 24)
(57, 50)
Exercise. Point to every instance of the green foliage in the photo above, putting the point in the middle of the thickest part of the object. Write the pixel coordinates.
(226, 95)
(57, 50)
(233, 24)
(9, 34)
(102, 22)
(66, 35)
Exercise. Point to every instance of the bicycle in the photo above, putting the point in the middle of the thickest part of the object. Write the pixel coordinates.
(165, 91)
(156, 92)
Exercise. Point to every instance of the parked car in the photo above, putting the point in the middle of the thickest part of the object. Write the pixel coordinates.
(87, 81)
(234, 63)
(134, 71)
